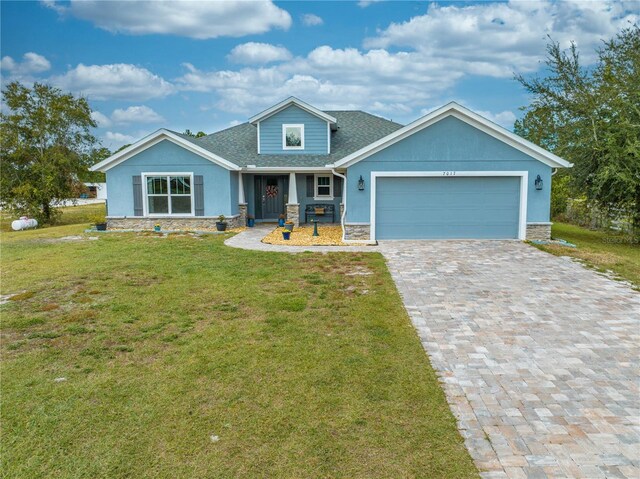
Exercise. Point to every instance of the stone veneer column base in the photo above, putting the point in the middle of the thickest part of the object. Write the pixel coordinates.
(357, 232)
(539, 231)
(170, 224)
(242, 217)
(293, 213)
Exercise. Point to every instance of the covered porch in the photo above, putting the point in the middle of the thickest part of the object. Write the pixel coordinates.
(301, 196)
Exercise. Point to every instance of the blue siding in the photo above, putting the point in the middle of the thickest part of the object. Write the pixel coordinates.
(449, 144)
(166, 156)
(447, 208)
(315, 132)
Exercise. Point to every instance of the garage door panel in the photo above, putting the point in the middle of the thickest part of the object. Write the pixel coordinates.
(441, 208)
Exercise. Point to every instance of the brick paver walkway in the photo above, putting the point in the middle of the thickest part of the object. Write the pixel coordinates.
(539, 356)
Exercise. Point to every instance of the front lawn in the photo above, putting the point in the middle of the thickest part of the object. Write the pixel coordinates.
(602, 250)
(175, 356)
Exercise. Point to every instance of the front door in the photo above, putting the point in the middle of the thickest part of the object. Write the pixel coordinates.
(269, 197)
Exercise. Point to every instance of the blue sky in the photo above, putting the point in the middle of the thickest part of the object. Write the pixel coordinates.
(210, 65)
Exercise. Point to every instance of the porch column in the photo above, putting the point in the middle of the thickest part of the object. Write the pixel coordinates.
(293, 207)
(241, 199)
(242, 203)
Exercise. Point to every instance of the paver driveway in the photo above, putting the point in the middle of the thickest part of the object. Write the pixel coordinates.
(539, 356)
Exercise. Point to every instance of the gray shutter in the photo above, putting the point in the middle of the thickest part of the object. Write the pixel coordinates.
(310, 186)
(137, 196)
(198, 195)
(337, 186)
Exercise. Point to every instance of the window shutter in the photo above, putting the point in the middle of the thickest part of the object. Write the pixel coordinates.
(137, 196)
(198, 195)
(337, 187)
(310, 186)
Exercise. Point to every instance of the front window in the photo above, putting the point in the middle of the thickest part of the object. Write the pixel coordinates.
(292, 137)
(324, 186)
(169, 195)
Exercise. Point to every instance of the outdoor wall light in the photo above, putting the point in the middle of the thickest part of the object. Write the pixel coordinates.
(538, 183)
(361, 183)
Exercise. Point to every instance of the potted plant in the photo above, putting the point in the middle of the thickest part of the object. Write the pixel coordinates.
(100, 223)
(221, 224)
(281, 221)
(157, 227)
(288, 225)
(251, 221)
(286, 235)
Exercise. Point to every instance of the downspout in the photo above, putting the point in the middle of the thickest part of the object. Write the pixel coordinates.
(344, 200)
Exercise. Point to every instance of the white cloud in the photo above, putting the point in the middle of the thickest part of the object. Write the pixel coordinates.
(116, 81)
(417, 64)
(390, 83)
(114, 140)
(505, 118)
(496, 39)
(24, 70)
(189, 18)
(366, 3)
(311, 20)
(136, 114)
(102, 120)
(257, 53)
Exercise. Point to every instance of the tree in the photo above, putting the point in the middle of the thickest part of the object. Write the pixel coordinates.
(46, 144)
(96, 155)
(591, 117)
(200, 134)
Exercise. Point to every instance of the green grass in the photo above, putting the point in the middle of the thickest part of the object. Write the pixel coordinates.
(71, 215)
(301, 370)
(603, 250)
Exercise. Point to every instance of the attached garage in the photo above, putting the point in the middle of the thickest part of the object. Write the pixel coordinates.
(448, 205)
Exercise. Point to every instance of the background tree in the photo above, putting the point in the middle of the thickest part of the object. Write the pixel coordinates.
(96, 155)
(46, 144)
(200, 134)
(591, 117)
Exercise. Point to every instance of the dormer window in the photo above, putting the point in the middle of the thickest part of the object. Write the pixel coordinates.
(292, 137)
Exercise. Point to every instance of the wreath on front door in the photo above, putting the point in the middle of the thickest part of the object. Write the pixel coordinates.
(272, 191)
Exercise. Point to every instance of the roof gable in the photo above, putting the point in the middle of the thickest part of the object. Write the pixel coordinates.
(288, 102)
(467, 116)
(357, 129)
(155, 138)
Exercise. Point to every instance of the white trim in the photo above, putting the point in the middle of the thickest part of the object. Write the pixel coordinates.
(284, 136)
(258, 138)
(317, 197)
(155, 138)
(545, 223)
(291, 101)
(469, 117)
(523, 175)
(145, 196)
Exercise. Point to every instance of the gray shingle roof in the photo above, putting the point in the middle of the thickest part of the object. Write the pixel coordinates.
(238, 144)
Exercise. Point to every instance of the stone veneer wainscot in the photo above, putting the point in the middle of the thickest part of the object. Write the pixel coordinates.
(170, 223)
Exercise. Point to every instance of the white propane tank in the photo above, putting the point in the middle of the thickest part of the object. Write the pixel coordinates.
(24, 223)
